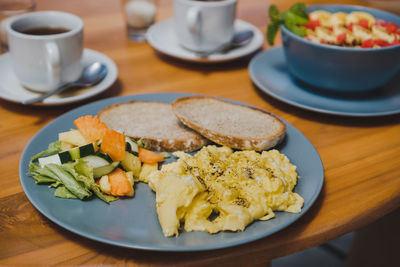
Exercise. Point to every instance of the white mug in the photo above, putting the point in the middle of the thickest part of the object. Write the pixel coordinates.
(203, 26)
(42, 62)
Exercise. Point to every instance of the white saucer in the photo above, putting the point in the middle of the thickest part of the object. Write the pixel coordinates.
(12, 90)
(161, 36)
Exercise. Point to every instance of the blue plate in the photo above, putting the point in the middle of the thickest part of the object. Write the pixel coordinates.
(269, 72)
(133, 223)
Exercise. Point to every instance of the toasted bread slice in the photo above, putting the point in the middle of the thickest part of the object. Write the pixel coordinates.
(229, 124)
(154, 123)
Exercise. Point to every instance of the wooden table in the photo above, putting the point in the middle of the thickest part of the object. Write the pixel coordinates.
(361, 156)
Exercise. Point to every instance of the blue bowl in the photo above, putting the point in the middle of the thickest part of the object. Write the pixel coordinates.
(344, 69)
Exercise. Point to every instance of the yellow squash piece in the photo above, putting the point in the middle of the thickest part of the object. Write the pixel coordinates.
(73, 137)
(146, 170)
(132, 164)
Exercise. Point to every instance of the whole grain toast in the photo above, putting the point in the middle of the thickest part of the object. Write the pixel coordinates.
(154, 123)
(232, 125)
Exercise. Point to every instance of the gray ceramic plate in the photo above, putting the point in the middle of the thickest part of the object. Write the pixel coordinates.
(269, 72)
(133, 222)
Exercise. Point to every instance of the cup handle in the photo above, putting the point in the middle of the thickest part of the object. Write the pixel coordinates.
(194, 21)
(53, 62)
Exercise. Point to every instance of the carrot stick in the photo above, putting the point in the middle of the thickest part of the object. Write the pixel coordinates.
(120, 185)
(91, 128)
(148, 156)
(114, 145)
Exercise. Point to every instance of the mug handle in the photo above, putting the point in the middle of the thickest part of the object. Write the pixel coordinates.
(53, 62)
(194, 21)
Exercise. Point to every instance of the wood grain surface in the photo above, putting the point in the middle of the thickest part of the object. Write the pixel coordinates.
(361, 156)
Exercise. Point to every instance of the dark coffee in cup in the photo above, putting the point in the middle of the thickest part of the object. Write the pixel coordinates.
(46, 48)
(44, 30)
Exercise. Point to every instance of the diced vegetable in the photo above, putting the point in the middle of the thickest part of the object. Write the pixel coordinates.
(356, 29)
(104, 170)
(69, 155)
(312, 24)
(148, 156)
(146, 170)
(131, 163)
(91, 128)
(104, 184)
(129, 175)
(72, 137)
(95, 161)
(391, 27)
(341, 38)
(66, 146)
(71, 164)
(140, 143)
(100, 165)
(81, 151)
(368, 44)
(55, 159)
(131, 146)
(364, 23)
(52, 149)
(70, 179)
(114, 145)
(104, 156)
(381, 43)
(120, 185)
(84, 173)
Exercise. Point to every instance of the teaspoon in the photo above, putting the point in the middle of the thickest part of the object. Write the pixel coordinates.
(239, 39)
(91, 75)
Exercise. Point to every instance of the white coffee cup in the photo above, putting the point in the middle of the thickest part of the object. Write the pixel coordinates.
(203, 26)
(44, 62)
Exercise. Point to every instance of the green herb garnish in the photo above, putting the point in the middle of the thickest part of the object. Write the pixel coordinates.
(295, 16)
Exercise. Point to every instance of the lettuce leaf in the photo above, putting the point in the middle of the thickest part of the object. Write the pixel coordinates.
(52, 149)
(63, 192)
(69, 181)
(84, 173)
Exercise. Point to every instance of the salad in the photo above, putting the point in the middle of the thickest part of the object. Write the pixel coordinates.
(93, 160)
(356, 29)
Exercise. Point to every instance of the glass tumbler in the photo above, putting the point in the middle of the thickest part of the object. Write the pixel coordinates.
(139, 15)
(8, 9)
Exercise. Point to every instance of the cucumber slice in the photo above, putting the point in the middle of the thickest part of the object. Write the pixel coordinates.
(95, 161)
(104, 170)
(131, 146)
(87, 150)
(69, 155)
(77, 152)
(131, 163)
(74, 153)
(104, 156)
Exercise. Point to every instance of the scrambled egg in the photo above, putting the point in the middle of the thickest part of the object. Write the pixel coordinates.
(218, 189)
